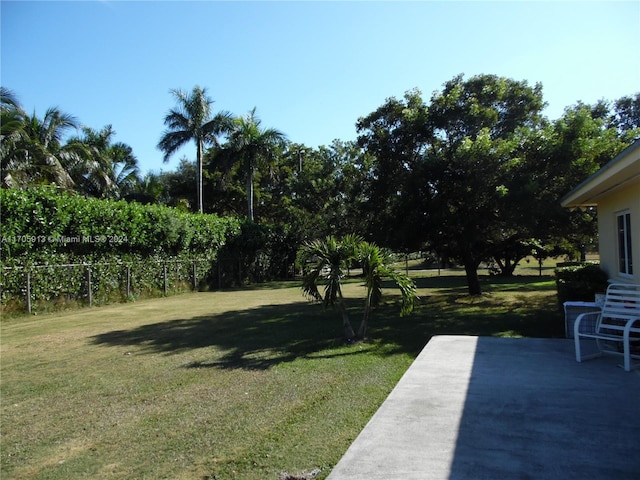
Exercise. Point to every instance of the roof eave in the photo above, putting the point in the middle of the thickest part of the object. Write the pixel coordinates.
(587, 193)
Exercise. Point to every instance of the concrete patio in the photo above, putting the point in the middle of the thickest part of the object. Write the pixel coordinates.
(500, 408)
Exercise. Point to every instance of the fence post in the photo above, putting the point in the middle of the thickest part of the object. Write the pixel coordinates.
(28, 291)
(90, 296)
(128, 281)
(164, 277)
(195, 276)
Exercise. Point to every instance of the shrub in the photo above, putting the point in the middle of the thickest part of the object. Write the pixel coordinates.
(259, 253)
(580, 282)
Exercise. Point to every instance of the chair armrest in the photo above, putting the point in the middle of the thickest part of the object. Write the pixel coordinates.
(628, 326)
(589, 328)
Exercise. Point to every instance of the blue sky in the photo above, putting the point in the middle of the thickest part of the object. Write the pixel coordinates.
(310, 68)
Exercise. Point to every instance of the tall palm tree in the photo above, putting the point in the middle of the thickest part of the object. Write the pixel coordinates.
(192, 119)
(253, 146)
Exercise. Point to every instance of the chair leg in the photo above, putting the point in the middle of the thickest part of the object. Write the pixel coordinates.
(626, 349)
(577, 343)
(627, 360)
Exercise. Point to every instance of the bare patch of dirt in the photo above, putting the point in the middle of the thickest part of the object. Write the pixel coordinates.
(301, 476)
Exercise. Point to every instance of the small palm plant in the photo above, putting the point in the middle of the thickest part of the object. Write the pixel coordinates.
(325, 263)
(328, 261)
(376, 266)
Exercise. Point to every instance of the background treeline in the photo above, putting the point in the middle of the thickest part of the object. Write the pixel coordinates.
(473, 174)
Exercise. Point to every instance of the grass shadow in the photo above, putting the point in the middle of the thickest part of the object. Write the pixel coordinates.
(519, 306)
(265, 336)
(255, 338)
(451, 284)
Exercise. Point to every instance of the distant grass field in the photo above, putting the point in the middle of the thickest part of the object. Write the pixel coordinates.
(240, 384)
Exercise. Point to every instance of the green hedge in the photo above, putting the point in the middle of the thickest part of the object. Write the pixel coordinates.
(580, 282)
(44, 227)
(44, 220)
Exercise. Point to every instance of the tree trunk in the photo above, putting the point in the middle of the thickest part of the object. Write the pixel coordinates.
(508, 266)
(199, 174)
(473, 281)
(362, 331)
(346, 324)
(250, 192)
(540, 260)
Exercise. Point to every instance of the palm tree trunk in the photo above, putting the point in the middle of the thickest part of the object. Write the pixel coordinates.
(362, 331)
(199, 174)
(250, 192)
(250, 195)
(346, 324)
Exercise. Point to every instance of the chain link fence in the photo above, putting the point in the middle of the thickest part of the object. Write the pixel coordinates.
(32, 287)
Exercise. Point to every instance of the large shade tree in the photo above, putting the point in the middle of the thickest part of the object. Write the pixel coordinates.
(395, 137)
(561, 156)
(443, 169)
(193, 120)
(477, 173)
(311, 189)
(475, 127)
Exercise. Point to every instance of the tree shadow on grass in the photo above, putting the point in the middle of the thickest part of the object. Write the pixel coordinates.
(523, 315)
(452, 284)
(255, 338)
(260, 338)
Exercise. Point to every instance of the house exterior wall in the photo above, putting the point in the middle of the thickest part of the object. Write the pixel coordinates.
(621, 200)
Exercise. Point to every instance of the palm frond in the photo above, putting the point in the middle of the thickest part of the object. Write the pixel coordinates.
(324, 261)
(54, 125)
(172, 141)
(177, 120)
(9, 100)
(221, 123)
(407, 290)
(310, 285)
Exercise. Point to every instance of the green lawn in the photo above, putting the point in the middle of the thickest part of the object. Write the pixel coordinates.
(240, 384)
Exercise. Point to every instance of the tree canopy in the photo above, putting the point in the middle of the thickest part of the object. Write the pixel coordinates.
(466, 173)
